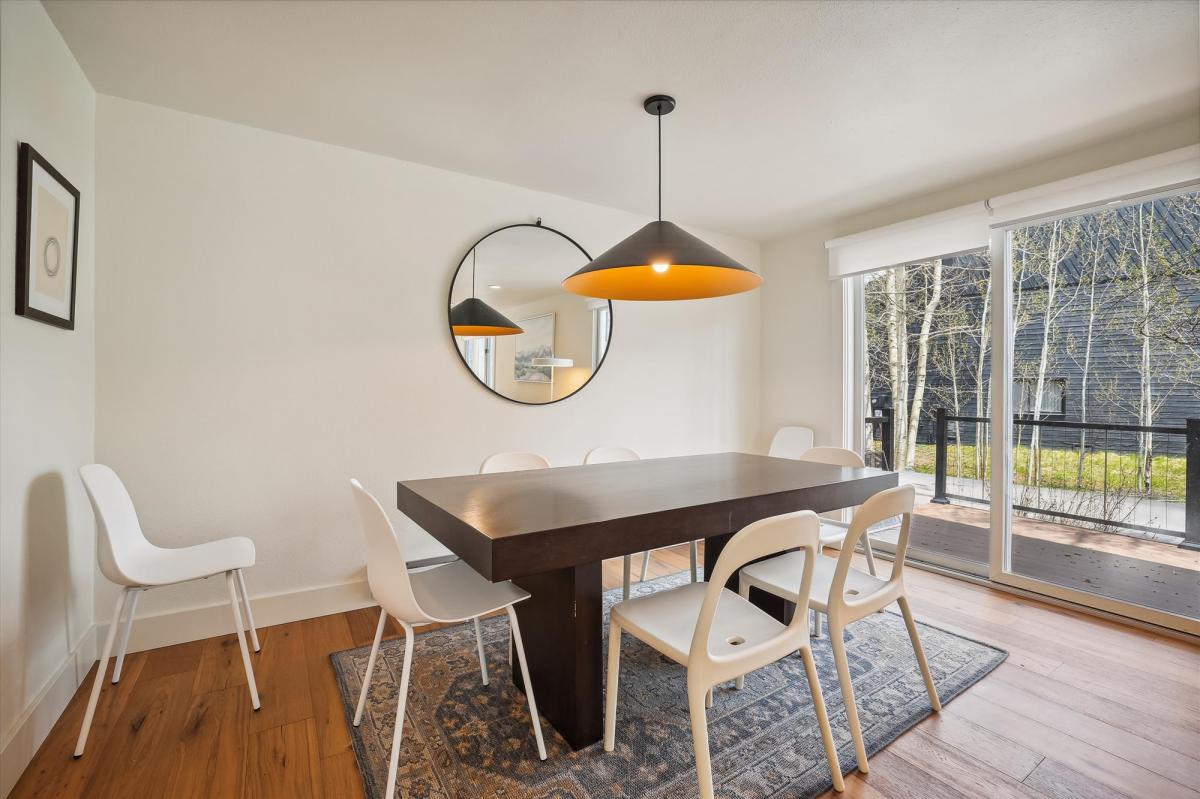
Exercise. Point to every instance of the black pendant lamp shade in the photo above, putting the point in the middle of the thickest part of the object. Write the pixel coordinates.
(474, 317)
(662, 261)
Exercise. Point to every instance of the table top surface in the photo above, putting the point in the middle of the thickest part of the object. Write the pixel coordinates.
(508, 504)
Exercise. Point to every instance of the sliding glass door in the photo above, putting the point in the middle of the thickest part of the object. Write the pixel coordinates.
(1097, 391)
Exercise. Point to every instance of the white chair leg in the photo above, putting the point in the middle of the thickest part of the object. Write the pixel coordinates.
(479, 645)
(920, 652)
(817, 624)
(533, 713)
(241, 634)
(362, 695)
(843, 670)
(410, 643)
(645, 565)
(866, 543)
(708, 698)
(628, 566)
(744, 593)
(814, 686)
(610, 690)
(695, 563)
(249, 616)
(124, 642)
(700, 740)
(101, 667)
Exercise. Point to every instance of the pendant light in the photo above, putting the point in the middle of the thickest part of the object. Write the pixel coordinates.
(662, 261)
(474, 317)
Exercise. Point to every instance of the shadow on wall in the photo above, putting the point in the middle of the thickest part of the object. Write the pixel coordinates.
(49, 595)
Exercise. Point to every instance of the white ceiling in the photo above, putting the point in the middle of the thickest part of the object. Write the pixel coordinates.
(528, 264)
(788, 111)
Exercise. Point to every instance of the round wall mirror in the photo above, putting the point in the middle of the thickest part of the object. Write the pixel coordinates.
(515, 328)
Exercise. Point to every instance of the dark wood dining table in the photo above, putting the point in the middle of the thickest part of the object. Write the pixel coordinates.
(548, 530)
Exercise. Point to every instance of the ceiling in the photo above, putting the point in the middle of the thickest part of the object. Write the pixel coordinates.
(788, 112)
(527, 263)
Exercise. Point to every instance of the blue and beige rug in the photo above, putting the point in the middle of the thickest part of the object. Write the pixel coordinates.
(464, 740)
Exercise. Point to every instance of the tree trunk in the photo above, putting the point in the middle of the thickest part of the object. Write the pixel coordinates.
(914, 416)
(1087, 357)
(897, 327)
(1033, 465)
(1146, 400)
(980, 387)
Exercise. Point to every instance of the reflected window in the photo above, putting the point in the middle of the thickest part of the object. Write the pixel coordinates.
(601, 327)
(480, 354)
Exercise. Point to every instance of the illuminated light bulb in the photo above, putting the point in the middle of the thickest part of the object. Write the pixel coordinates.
(495, 287)
(660, 268)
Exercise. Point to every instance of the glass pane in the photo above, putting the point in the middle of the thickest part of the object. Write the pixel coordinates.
(928, 339)
(1106, 371)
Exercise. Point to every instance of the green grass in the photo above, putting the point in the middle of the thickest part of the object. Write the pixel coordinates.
(1060, 469)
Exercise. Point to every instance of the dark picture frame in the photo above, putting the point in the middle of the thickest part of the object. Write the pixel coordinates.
(50, 249)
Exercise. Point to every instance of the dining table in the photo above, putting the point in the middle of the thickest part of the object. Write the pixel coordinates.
(549, 530)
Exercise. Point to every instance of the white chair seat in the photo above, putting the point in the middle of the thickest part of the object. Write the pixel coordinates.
(781, 576)
(832, 534)
(456, 592)
(168, 566)
(667, 621)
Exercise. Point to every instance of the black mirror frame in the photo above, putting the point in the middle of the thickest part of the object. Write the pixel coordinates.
(453, 338)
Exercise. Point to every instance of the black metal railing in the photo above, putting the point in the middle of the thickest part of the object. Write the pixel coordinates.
(1111, 500)
(880, 450)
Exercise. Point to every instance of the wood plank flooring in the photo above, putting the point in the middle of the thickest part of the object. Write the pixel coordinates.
(1083, 708)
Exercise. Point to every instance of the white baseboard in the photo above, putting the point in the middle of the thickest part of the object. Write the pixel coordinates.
(27, 733)
(206, 621)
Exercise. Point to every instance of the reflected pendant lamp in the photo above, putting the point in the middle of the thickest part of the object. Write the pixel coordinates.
(662, 261)
(474, 317)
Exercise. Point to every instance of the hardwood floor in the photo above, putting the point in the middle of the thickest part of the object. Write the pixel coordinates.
(1082, 708)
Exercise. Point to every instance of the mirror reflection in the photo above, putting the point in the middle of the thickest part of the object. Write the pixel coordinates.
(516, 329)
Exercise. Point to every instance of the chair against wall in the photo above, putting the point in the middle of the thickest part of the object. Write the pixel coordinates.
(446, 594)
(846, 594)
(513, 462)
(718, 635)
(128, 559)
(791, 442)
(615, 455)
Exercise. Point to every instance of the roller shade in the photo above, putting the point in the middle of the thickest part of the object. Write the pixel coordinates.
(945, 233)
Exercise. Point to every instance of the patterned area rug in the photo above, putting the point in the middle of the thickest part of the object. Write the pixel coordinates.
(463, 740)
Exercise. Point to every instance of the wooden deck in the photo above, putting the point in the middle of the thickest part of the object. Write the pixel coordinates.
(1143, 572)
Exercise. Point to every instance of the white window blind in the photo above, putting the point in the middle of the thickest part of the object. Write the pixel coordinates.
(946, 233)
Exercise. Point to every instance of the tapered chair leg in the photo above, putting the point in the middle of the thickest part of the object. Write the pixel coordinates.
(362, 695)
(695, 553)
(610, 690)
(708, 698)
(843, 670)
(533, 712)
(628, 569)
(744, 593)
(817, 624)
(249, 616)
(479, 646)
(230, 582)
(410, 643)
(123, 644)
(814, 686)
(866, 543)
(101, 667)
(920, 652)
(700, 740)
(645, 565)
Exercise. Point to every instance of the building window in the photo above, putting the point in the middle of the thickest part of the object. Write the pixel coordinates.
(1054, 397)
(601, 327)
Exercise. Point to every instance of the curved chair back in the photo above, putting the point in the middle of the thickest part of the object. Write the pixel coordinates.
(122, 546)
(513, 462)
(610, 455)
(834, 456)
(791, 442)
(798, 530)
(387, 573)
(898, 501)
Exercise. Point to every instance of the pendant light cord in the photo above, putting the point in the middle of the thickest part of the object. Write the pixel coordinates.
(472, 272)
(660, 167)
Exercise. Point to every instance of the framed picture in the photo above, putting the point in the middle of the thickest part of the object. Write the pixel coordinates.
(537, 341)
(47, 241)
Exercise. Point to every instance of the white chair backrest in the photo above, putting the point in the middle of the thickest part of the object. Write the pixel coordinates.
(513, 462)
(898, 501)
(791, 442)
(798, 530)
(122, 546)
(834, 456)
(387, 573)
(610, 455)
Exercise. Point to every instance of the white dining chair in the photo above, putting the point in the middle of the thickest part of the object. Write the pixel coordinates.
(616, 455)
(442, 595)
(718, 635)
(834, 533)
(846, 594)
(791, 442)
(513, 462)
(128, 559)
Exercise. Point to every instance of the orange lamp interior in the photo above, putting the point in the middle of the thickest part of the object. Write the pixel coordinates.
(678, 282)
(485, 330)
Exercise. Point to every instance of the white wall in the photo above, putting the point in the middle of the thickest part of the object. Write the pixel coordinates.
(272, 322)
(802, 307)
(47, 404)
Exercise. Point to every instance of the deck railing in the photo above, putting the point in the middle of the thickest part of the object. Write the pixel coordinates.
(1120, 505)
